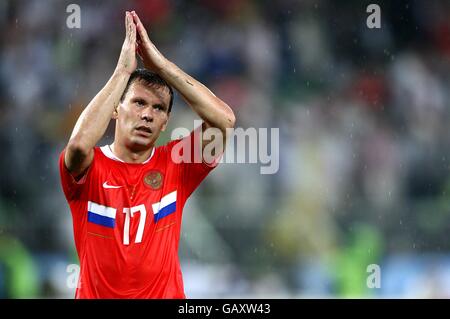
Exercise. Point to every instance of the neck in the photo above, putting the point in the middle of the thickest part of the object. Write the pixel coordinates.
(130, 156)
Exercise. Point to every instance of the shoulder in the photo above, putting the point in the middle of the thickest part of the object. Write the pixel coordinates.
(166, 149)
(104, 152)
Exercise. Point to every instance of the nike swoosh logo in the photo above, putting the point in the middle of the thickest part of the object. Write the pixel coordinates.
(105, 185)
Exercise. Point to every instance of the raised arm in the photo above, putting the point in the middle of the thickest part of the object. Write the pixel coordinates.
(94, 120)
(212, 110)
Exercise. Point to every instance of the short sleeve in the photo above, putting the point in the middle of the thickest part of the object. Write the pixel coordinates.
(72, 188)
(187, 152)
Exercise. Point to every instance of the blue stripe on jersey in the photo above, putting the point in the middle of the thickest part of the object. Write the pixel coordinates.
(101, 220)
(169, 209)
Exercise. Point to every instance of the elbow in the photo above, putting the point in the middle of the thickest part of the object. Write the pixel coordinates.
(230, 119)
(227, 124)
(76, 152)
(76, 147)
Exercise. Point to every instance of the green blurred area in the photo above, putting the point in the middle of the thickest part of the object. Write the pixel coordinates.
(363, 151)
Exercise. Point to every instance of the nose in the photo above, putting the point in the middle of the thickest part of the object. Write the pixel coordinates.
(147, 116)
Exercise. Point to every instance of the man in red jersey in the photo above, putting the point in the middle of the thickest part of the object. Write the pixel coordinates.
(127, 198)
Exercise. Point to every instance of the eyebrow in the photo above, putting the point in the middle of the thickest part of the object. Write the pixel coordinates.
(139, 99)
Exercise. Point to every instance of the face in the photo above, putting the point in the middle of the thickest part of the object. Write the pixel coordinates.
(142, 115)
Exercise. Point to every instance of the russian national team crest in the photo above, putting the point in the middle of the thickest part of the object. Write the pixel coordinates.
(154, 179)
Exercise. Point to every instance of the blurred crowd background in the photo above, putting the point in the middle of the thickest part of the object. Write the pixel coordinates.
(364, 143)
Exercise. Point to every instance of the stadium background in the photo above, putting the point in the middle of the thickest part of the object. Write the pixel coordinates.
(364, 142)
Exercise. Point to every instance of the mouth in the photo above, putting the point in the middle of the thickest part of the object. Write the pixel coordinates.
(144, 130)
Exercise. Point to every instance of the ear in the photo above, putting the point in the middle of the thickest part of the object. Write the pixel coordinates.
(115, 114)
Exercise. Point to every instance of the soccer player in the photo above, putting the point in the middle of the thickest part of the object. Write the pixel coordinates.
(127, 198)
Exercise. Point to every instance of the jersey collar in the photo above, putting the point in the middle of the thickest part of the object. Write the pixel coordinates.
(106, 150)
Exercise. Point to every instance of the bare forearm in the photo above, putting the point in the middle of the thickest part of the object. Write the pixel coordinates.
(94, 120)
(210, 108)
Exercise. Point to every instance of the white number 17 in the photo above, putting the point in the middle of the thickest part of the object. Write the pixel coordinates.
(140, 232)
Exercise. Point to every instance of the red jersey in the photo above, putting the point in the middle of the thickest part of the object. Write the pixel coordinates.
(127, 222)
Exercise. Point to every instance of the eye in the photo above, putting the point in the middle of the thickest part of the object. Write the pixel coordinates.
(158, 107)
(140, 103)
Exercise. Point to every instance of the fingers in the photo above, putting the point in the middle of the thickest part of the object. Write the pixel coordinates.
(130, 29)
(139, 26)
(127, 23)
(135, 17)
